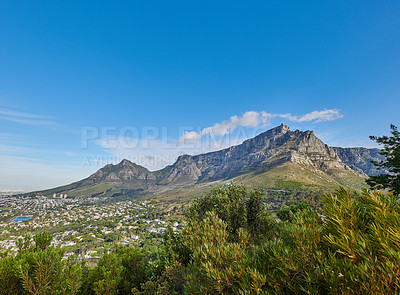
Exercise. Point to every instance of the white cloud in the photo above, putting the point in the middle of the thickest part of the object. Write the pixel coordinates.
(155, 153)
(257, 119)
(317, 116)
(11, 113)
(24, 118)
(248, 119)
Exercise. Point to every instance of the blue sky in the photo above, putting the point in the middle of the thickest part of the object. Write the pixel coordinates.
(83, 84)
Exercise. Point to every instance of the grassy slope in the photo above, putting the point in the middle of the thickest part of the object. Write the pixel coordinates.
(81, 191)
(287, 176)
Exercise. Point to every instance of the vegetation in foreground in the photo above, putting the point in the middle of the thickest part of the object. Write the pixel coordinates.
(231, 245)
(391, 151)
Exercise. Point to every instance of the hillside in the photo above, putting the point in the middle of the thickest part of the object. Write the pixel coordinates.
(276, 158)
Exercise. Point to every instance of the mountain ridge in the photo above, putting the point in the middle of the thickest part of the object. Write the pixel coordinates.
(267, 150)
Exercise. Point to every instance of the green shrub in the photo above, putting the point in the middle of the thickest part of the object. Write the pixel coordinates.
(39, 269)
(238, 208)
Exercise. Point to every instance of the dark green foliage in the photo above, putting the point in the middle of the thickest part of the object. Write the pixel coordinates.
(136, 269)
(107, 275)
(9, 281)
(287, 213)
(227, 247)
(291, 262)
(39, 269)
(228, 202)
(354, 252)
(219, 266)
(44, 272)
(239, 209)
(391, 151)
(171, 281)
(176, 250)
(42, 241)
(118, 273)
(364, 228)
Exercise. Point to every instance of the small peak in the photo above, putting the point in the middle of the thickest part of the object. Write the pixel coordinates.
(281, 129)
(130, 165)
(310, 132)
(284, 127)
(278, 130)
(183, 157)
(126, 162)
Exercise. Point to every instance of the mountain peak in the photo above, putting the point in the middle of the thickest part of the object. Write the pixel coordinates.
(272, 148)
(125, 162)
(283, 127)
(279, 129)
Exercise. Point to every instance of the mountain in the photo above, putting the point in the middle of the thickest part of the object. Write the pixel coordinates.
(271, 148)
(359, 159)
(272, 159)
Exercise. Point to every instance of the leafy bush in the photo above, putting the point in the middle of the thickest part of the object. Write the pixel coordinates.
(219, 266)
(391, 152)
(238, 208)
(39, 269)
(231, 245)
(287, 213)
(364, 228)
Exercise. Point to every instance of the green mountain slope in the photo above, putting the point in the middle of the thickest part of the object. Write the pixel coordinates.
(278, 159)
(282, 180)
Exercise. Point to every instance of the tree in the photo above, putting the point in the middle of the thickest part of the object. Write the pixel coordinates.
(391, 151)
(287, 213)
(42, 241)
(238, 208)
(39, 269)
(220, 266)
(9, 282)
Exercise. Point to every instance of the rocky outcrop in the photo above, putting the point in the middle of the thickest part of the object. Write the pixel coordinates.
(125, 171)
(359, 159)
(270, 148)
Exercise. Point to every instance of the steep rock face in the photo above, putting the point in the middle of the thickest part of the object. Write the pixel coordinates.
(272, 147)
(310, 150)
(267, 150)
(359, 159)
(184, 171)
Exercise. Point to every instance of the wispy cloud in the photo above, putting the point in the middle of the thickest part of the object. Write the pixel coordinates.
(258, 119)
(156, 153)
(316, 116)
(12, 113)
(24, 118)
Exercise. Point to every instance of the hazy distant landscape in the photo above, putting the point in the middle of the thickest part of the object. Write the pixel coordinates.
(213, 147)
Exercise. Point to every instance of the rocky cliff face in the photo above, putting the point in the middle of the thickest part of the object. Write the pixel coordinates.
(359, 159)
(267, 150)
(270, 148)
